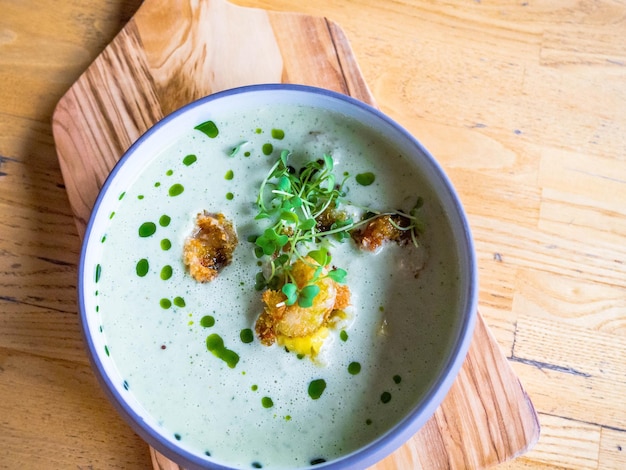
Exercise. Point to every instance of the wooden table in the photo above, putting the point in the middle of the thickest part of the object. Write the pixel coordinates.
(523, 104)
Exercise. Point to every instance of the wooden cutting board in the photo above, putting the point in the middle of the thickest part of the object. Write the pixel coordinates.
(175, 51)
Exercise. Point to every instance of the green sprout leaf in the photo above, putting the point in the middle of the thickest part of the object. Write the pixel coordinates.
(338, 275)
(282, 240)
(267, 246)
(330, 182)
(291, 291)
(307, 224)
(328, 162)
(271, 242)
(307, 294)
(282, 259)
(316, 275)
(289, 217)
(320, 256)
(284, 184)
(260, 282)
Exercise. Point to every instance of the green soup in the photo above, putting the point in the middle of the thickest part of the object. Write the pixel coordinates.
(186, 352)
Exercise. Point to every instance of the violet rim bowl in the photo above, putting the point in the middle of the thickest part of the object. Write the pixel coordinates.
(423, 411)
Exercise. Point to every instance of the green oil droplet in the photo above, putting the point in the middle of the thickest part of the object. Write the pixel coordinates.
(98, 272)
(189, 160)
(230, 196)
(258, 130)
(106, 350)
(267, 402)
(179, 302)
(365, 179)
(254, 388)
(166, 272)
(103, 239)
(207, 321)
(140, 197)
(397, 379)
(267, 149)
(165, 303)
(215, 344)
(177, 436)
(343, 335)
(316, 388)
(246, 335)
(354, 368)
(368, 422)
(209, 128)
(142, 267)
(278, 134)
(229, 175)
(122, 196)
(166, 244)
(385, 397)
(147, 229)
(246, 154)
(169, 172)
(157, 184)
(165, 220)
(176, 189)
(111, 215)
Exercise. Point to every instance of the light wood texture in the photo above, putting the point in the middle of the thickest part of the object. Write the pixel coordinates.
(521, 102)
(174, 52)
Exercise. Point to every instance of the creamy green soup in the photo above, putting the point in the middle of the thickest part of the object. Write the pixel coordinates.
(186, 352)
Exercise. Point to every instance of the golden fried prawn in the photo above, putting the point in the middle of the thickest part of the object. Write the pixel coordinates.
(210, 247)
(379, 230)
(293, 321)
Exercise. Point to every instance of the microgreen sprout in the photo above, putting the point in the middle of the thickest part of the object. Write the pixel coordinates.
(236, 149)
(296, 204)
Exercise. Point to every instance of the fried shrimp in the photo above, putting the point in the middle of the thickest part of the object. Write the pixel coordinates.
(210, 247)
(283, 322)
(381, 229)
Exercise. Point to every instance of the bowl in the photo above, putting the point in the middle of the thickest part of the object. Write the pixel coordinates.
(277, 276)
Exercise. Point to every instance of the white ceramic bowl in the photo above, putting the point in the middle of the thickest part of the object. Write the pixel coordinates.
(145, 322)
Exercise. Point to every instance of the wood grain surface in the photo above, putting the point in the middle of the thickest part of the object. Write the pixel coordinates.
(521, 102)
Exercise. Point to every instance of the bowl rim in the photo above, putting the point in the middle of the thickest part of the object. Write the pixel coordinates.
(407, 426)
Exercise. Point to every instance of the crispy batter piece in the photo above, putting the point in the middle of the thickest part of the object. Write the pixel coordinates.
(342, 300)
(330, 216)
(293, 321)
(380, 230)
(210, 247)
